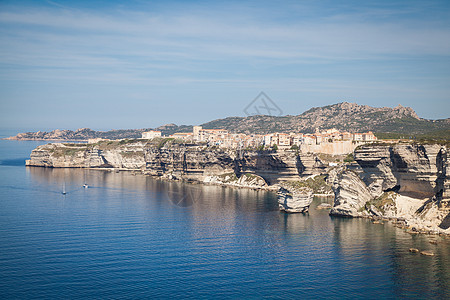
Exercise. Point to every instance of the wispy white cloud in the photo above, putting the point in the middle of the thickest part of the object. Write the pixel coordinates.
(295, 49)
(153, 37)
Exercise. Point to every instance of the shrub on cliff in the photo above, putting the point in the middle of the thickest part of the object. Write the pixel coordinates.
(349, 158)
(316, 183)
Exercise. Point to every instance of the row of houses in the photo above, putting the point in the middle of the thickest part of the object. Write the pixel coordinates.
(222, 138)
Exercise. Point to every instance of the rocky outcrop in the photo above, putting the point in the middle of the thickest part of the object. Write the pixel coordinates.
(414, 170)
(192, 162)
(279, 166)
(351, 194)
(294, 198)
(83, 156)
(402, 181)
(230, 179)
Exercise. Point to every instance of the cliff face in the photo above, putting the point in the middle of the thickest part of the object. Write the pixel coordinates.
(403, 181)
(418, 171)
(191, 161)
(178, 161)
(351, 194)
(294, 199)
(408, 182)
(81, 156)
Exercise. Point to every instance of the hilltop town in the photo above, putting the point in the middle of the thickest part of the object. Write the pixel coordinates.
(386, 123)
(331, 141)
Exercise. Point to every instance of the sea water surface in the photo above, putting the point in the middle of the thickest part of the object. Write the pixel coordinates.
(131, 236)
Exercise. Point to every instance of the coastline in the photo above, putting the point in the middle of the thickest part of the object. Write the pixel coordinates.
(13, 138)
(398, 222)
(360, 189)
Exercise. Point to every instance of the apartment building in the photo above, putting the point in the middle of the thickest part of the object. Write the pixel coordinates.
(151, 134)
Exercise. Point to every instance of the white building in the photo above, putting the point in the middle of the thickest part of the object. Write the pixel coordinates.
(185, 136)
(151, 134)
(357, 137)
(369, 136)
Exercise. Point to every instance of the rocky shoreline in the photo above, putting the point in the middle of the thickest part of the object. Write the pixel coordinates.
(403, 183)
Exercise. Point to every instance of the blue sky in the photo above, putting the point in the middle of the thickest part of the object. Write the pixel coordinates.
(136, 64)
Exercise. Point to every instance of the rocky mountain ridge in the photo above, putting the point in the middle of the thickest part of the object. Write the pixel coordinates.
(343, 116)
(384, 121)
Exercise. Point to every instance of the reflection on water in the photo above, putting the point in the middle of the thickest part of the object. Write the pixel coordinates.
(133, 236)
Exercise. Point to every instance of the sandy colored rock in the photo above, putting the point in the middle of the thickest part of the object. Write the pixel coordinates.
(294, 199)
(399, 181)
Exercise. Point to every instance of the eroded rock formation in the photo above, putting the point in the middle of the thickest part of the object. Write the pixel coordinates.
(402, 181)
(351, 194)
(293, 198)
(173, 160)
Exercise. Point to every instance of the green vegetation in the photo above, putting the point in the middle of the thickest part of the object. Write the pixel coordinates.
(60, 151)
(70, 152)
(326, 157)
(349, 158)
(432, 142)
(228, 177)
(249, 176)
(162, 141)
(106, 145)
(378, 143)
(385, 122)
(317, 183)
(383, 202)
(439, 135)
(127, 141)
(294, 147)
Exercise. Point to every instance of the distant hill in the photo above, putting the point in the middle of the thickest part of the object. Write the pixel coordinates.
(79, 134)
(385, 122)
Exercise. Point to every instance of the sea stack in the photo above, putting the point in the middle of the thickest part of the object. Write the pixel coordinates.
(293, 198)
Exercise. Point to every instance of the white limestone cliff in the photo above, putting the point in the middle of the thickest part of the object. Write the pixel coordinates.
(405, 182)
(293, 198)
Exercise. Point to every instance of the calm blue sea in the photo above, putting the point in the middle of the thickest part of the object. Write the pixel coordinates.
(134, 237)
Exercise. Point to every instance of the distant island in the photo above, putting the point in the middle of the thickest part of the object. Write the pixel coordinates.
(384, 122)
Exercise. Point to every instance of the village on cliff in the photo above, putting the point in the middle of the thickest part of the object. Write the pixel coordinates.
(331, 141)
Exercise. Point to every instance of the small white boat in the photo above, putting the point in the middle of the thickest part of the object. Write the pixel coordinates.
(85, 184)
